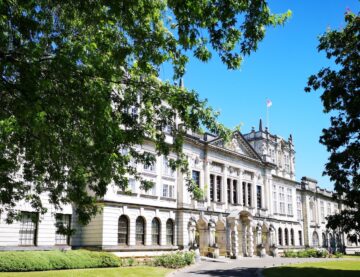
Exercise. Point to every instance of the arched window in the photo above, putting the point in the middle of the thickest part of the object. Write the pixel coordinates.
(315, 239)
(332, 240)
(155, 231)
(300, 238)
(280, 236)
(324, 240)
(286, 236)
(169, 232)
(123, 230)
(292, 238)
(140, 231)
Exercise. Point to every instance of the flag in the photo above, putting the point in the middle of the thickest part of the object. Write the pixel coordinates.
(268, 103)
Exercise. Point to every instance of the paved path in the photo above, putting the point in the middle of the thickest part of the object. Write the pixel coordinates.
(244, 267)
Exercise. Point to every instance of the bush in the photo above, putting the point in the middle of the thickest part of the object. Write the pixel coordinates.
(308, 253)
(290, 254)
(175, 260)
(50, 260)
(338, 254)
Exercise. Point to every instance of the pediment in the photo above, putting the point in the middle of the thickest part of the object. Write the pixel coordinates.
(237, 144)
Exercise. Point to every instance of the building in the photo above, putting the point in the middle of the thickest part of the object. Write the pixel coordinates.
(252, 206)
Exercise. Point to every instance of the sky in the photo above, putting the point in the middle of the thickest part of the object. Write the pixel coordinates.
(278, 71)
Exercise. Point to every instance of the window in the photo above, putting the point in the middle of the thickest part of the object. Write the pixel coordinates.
(140, 231)
(169, 232)
(28, 228)
(249, 195)
(324, 240)
(168, 191)
(274, 199)
(244, 193)
(134, 113)
(132, 185)
(300, 238)
(155, 232)
(218, 188)
(123, 230)
(299, 207)
(64, 220)
(228, 189)
(167, 170)
(235, 192)
(312, 212)
(289, 201)
(315, 239)
(322, 211)
(286, 236)
(150, 167)
(282, 200)
(196, 177)
(212, 187)
(328, 209)
(258, 197)
(292, 238)
(280, 236)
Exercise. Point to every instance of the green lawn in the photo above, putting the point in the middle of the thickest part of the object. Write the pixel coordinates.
(338, 268)
(142, 271)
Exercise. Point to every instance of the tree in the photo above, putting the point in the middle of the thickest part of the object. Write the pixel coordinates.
(80, 89)
(341, 98)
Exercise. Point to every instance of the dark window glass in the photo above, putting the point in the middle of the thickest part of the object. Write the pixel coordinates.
(123, 230)
(292, 239)
(169, 232)
(286, 236)
(228, 188)
(280, 236)
(65, 220)
(235, 192)
(218, 188)
(243, 193)
(155, 231)
(196, 177)
(212, 187)
(300, 238)
(28, 228)
(249, 195)
(140, 231)
(258, 196)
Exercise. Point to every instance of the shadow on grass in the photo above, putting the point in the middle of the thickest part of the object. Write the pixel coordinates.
(233, 272)
(309, 272)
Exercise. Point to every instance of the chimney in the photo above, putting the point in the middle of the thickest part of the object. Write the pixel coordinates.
(260, 125)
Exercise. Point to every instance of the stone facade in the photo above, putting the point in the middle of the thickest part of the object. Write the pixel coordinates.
(252, 206)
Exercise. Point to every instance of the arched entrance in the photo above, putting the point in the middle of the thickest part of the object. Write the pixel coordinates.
(220, 237)
(246, 235)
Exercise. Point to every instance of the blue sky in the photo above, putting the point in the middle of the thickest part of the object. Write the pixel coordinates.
(278, 71)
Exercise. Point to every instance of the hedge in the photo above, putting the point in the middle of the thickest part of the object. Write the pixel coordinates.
(175, 260)
(52, 260)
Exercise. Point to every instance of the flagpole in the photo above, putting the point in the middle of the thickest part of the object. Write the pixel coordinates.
(267, 117)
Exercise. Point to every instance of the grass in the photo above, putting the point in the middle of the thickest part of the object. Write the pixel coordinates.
(95, 272)
(348, 268)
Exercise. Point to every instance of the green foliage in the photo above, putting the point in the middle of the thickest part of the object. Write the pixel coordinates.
(79, 87)
(51, 260)
(175, 260)
(341, 98)
(307, 253)
(338, 255)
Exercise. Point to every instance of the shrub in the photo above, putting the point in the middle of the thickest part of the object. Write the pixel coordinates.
(338, 254)
(290, 254)
(175, 260)
(49, 260)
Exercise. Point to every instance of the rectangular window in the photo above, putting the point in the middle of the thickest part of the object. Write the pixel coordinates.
(132, 185)
(322, 211)
(274, 199)
(235, 192)
(196, 177)
(300, 238)
(299, 207)
(28, 228)
(212, 187)
(282, 200)
(249, 195)
(244, 193)
(258, 197)
(65, 220)
(150, 168)
(328, 208)
(168, 191)
(218, 188)
(228, 189)
(167, 170)
(289, 201)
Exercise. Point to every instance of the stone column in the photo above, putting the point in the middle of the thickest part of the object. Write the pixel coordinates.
(228, 239)
(207, 181)
(231, 191)
(246, 195)
(244, 240)
(234, 239)
(239, 193)
(251, 240)
(224, 186)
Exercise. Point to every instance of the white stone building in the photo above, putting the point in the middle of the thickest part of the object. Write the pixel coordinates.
(252, 205)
